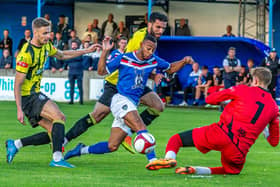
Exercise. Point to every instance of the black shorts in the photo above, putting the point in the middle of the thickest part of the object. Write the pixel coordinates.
(110, 90)
(32, 106)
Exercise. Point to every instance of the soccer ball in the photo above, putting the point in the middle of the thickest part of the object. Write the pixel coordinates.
(144, 143)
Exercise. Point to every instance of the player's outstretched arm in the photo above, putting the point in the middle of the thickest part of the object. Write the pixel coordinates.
(68, 54)
(107, 45)
(176, 66)
(217, 97)
(19, 79)
(273, 135)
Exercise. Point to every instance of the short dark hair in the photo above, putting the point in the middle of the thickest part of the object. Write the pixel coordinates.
(150, 38)
(232, 48)
(40, 22)
(205, 67)
(157, 16)
(122, 38)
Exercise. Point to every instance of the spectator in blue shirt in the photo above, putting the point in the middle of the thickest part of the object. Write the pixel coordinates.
(6, 60)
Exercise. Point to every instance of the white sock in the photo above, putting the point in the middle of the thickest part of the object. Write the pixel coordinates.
(170, 155)
(84, 150)
(65, 142)
(18, 144)
(57, 156)
(153, 159)
(202, 170)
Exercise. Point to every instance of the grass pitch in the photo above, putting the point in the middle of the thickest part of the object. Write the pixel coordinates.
(30, 166)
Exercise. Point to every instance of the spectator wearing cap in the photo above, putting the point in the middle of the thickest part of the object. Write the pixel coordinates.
(109, 26)
(63, 28)
(232, 66)
(7, 42)
(205, 80)
(229, 32)
(272, 62)
(74, 37)
(121, 31)
(6, 60)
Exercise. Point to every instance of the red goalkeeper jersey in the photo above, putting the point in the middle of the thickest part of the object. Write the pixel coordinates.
(246, 116)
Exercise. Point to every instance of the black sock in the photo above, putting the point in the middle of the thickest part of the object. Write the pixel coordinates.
(57, 135)
(149, 115)
(187, 139)
(36, 139)
(80, 127)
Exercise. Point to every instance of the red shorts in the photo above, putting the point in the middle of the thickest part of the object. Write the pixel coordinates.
(214, 138)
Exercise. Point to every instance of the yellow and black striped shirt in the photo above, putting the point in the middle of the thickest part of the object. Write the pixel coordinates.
(31, 60)
(133, 44)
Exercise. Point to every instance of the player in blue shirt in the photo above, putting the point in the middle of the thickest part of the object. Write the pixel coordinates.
(134, 71)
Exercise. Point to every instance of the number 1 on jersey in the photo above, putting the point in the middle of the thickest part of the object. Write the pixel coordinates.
(258, 113)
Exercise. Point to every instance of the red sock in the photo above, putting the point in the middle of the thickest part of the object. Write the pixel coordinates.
(174, 144)
(218, 170)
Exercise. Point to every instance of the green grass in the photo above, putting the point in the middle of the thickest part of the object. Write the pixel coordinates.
(30, 166)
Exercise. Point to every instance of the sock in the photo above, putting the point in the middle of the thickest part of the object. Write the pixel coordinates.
(18, 144)
(84, 150)
(80, 127)
(142, 131)
(151, 156)
(149, 115)
(57, 135)
(65, 142)
(173, 146)
(99, 148)
(217, 170)
(36, 139)
(170, 155)
(57, 156)
(202, 170)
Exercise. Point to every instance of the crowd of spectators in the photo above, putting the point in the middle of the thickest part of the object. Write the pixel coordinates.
(200, 82)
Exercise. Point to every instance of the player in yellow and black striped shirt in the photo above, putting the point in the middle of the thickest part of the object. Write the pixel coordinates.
(156, 27)
(36, 106)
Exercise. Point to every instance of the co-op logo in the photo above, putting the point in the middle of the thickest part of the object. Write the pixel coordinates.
(50, 88)
(67, 90)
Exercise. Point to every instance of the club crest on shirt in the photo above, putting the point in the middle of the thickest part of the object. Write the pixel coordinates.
(124, 107)
(138, 82)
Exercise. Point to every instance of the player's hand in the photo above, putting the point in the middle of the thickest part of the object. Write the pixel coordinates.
(158, 77)
(266, 132)
(93, 47)
(188, 60)
(107, 43)
(20, 117)
(60, 69)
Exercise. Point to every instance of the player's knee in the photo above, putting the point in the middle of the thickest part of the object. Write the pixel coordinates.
(113, 147)
(159, 106)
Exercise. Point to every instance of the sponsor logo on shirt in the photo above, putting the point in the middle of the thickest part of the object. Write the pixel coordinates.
(22, 64)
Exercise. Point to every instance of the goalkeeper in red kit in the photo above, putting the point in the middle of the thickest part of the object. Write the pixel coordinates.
(251, 109)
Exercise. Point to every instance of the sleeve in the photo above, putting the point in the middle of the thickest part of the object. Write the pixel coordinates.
(113, 64)
(218, 97)
(209, 77)
(23, 62)
(225, 62)
(163, 65)
(273, 137)
(135, 41)
(10, 60)
(238, 62)
(263, 63)
(52, 50)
